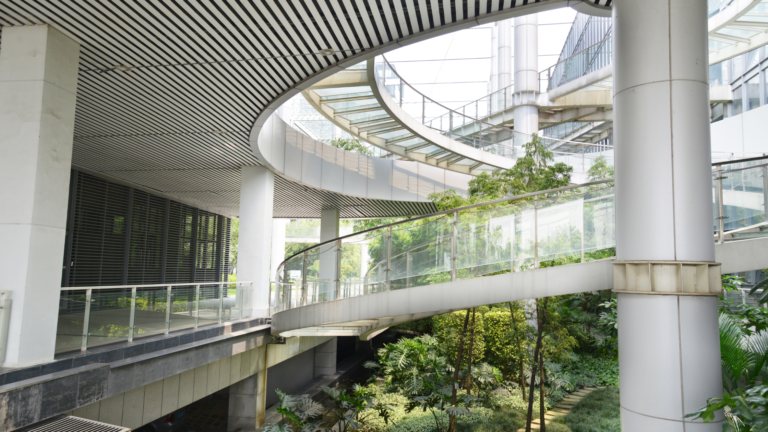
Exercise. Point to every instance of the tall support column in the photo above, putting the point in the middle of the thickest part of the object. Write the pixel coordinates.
(257, 189)
(669, 353)
(526, 76)
(38, 87)
(247, 403)
(278, 245)
(325, 358)
(329, 230)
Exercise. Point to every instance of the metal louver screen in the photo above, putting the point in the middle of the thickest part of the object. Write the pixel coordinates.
(117, 235)
(75, 424)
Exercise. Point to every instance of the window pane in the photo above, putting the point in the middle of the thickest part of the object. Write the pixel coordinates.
(737, 67)
(716, 74)
(765, 80)
(737, 101)
(718, 113)
(752, 59)
(753, 92)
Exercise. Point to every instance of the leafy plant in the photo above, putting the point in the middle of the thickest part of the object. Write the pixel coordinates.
(300, 411)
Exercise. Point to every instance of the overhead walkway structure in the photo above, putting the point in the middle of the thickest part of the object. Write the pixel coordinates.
(548, 243)
(373, 102)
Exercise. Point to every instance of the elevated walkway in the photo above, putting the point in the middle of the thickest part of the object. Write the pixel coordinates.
(542, 244)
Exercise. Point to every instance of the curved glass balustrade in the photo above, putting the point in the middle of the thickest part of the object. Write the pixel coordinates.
(466, 127)
(563, 226)
(545, 229)
(576, 66)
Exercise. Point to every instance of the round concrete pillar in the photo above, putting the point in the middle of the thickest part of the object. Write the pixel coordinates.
(526, 75)
(669, 353)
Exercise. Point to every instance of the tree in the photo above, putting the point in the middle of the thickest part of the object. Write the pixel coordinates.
(353, 145)
(233, 242)
(600, 170)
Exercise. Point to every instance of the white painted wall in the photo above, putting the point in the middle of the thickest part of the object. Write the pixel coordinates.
(312, 163)
(741, 136)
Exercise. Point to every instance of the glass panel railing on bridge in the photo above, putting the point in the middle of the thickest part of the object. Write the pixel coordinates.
(466, 124)
(570, 225)
(576, 66)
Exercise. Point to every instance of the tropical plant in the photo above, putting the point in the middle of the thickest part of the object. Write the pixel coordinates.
(744, 359)
(409, 363)
(351, 411)
(353, 145)
(301, 411)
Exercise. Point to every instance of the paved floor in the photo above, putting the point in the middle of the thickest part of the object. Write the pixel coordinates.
(563, 408)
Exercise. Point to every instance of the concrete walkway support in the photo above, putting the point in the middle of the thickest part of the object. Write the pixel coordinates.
(669, 353)
(38, 87)
(526, 74)
(247, 403)
(325, 358)
(257, 192)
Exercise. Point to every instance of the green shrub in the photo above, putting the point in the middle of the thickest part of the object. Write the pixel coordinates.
(593, 371)
(448, 328)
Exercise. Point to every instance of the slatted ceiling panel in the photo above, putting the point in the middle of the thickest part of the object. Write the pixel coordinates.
(200, 67)
(98, 243)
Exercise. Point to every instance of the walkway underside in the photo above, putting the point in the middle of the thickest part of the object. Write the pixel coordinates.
(366, 316)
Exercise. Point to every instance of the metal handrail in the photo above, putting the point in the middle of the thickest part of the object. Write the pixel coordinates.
(488, 203)
(446, 212)
(153, 285)
(491, 125)
(549, 85)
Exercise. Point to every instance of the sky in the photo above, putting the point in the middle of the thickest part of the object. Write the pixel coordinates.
(454, 69)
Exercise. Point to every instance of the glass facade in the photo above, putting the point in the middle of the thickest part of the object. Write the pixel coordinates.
(753, 93)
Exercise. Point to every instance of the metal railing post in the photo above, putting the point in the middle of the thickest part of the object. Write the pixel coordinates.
(583, 231)
(765, 189)
(197, 305)
(338, 269)
(720, 217)
(536, 231)
(303, 292)
(86, 319)
(132, 318)
(454, 246)
(221, 304)
(512, 246)
(389, 259)
(168, 305)
(423, 109)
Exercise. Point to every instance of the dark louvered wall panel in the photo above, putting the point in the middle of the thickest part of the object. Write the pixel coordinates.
(104, 214)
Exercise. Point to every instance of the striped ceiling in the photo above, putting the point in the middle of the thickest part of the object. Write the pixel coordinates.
(169, 90)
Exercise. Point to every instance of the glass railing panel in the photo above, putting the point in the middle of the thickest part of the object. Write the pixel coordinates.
(524, 250)
(182, 307)
(208, 312)
(744, 197)
(421, 253)
(69, 330)
(110, 316)
(599, 223)
(560, 225)
(485, 240)
(241, 299)
(151, 306)
(354, 265)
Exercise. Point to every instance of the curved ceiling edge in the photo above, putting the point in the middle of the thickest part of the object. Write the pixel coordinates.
(312, 163)
(512, 12)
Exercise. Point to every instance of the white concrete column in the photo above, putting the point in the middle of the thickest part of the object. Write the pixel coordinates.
(325, 358)
(278, 245)
(526, 75)
(38, 87)
(669, 354)
(247, 403)
(257, 190)
(329, 230)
